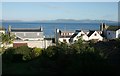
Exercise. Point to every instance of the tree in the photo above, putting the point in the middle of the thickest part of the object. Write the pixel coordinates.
(7, 39)
(25, 51)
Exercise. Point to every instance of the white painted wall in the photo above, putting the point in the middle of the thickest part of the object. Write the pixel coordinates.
(38, 44)
(2, 31)
(62, 40)
(111, 34)
(97, 36)
(118, 33)
(84, 37)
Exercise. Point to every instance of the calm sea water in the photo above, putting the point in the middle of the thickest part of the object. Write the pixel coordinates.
(49, 28)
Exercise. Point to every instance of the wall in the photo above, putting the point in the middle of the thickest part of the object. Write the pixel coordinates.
(111, 34)
(85, 37)
(62, 40)
(2, 31)
(78, 35)
(118, 33)
(97, 37)
(38, 44)
(30, 35)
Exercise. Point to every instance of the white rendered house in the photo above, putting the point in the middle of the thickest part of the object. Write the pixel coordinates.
(32, 37)
(77, 35)
(63, 36)
(113, 32)
(92, 35)
(27, 34)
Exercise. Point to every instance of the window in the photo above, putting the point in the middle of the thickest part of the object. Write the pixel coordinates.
(82, 34)
(95, 34)
(109, 33)
(64, 40)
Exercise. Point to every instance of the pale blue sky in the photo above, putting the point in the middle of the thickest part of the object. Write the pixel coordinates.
(59, 10)
(59, 0)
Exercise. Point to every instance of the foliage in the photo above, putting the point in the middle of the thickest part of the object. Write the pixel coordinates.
(7, 39)
(36, 52)
(62, 59)
(25, 51)
(21, 53)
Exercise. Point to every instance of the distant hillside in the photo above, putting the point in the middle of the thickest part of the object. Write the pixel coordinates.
(64, 21)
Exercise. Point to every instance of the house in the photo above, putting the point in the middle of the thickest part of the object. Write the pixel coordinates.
(27, 34)
(63, 36)
(86, 36)
(32, 37)
(77, 35)
(95, 35)
(110, 32)
(113, 32)
(71, 37)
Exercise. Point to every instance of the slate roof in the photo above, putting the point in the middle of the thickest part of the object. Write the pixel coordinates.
(113, 28)
(30, 35)
(90, 33)
(26, 30)
(75, 34)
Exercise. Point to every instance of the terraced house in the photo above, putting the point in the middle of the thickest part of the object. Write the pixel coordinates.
(71, 37)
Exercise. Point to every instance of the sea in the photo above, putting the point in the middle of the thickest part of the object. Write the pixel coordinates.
(49, 28)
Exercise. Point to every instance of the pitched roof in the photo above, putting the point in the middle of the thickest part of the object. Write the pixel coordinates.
(113, 28)
(74, 35)
(30, 35)
(90, 33)
(67, 32)
(77, 30)
(26, 30)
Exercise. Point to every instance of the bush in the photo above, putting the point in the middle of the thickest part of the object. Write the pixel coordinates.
(21, 53)
(7, 56)
(35, 52)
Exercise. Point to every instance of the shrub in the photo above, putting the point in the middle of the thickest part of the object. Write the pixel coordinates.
(35, 52)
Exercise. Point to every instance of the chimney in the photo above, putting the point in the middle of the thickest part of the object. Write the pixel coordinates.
(41, 28)
(101, 26)
(57, 34)
(9, 30)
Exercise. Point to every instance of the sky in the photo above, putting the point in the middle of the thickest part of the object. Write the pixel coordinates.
(31, 11)
(59, 0)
